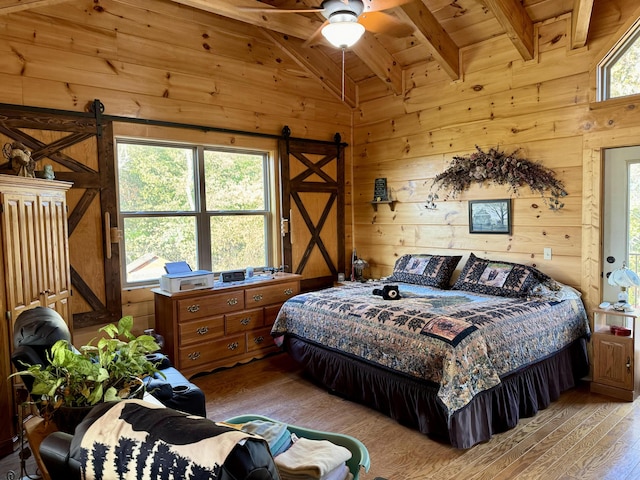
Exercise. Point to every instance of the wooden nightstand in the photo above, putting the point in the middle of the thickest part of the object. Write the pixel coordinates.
(615, 371)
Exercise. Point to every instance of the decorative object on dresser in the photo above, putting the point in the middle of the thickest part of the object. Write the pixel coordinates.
(219, 327)
(20, 159)
(499, 168)
(33, 218)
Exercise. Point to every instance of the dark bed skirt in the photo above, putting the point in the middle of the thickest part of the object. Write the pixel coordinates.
(416, 405)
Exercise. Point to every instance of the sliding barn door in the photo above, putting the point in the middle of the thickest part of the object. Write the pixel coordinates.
(79, 146)
(312, 176)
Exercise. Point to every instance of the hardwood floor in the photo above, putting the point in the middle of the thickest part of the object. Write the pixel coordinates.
(581, 436)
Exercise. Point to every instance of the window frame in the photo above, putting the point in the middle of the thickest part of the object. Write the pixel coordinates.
(201, 213)
(603, 69)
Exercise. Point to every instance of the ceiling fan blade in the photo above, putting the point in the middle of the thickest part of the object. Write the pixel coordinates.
(315, 37)
(380, 22)
(378, 5)
(281, 10)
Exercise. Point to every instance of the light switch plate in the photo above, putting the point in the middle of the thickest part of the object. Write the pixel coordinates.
(547, 253)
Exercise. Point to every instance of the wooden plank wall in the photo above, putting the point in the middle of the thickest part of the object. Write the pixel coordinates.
(541, 107)
(158, 60)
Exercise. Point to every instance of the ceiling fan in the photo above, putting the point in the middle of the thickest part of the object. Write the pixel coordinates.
(347, 20)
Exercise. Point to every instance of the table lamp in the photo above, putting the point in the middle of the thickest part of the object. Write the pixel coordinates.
(358, 266)
(624, 278)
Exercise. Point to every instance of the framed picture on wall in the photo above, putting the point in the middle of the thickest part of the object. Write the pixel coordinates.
(490, 216)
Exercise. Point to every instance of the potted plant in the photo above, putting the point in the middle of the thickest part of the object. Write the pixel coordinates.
(111, 369)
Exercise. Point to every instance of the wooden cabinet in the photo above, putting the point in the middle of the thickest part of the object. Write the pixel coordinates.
(34, 270)
(615, 372)
(219, 327)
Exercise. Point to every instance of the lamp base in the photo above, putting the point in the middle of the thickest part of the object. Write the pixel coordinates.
(622, 306)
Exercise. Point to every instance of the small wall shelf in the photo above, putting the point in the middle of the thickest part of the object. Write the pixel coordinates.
(391, 203)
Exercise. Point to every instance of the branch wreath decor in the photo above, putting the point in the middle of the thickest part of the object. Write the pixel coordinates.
(497, 167)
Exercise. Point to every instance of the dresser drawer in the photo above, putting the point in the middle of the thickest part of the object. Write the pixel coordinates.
(260, 339)
(216, 304)
(270, 313)
(268, 294)
(204, 353)
(201, 330)
(242, 321)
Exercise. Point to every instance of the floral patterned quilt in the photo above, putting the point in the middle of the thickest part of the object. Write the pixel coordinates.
(463, 342)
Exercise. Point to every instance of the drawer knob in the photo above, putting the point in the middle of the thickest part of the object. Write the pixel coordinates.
(232, 346)
(194, 355)
(288, 291)
(259, 339)
(202, 330)
(193, 308)
(232, 301)
(245, 321)
(257, 298)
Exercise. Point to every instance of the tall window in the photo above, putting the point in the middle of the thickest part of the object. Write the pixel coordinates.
(619, 71)
(207, 206)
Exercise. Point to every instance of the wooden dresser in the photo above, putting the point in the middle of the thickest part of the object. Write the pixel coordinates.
(220, 327)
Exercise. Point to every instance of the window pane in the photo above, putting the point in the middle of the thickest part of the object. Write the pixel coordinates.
(155, 178)
(151, 242)
(625, 73)
(234, 181)
(238, 242)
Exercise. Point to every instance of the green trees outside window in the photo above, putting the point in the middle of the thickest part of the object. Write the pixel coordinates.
(209, 207)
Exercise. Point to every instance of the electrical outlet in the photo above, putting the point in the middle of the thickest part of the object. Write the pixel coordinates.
(547, 253)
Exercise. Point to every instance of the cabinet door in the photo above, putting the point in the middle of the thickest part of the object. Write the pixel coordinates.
(22, 249)
(613, 361)
(56, 280)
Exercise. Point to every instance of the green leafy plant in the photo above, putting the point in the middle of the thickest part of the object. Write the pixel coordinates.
(111, 369)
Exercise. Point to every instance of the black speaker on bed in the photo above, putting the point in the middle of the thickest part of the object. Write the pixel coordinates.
(388, 292)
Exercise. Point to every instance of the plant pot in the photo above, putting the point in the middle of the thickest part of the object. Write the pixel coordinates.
(68, 418)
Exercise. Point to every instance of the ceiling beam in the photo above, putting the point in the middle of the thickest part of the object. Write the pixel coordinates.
(380, 61)
(429, 31)
(580, 20)
(516, 22)
(12, 6)
(317, 64)
(293, 24)
(368, 49)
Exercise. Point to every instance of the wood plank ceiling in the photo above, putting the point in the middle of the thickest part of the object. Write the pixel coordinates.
(413, 31)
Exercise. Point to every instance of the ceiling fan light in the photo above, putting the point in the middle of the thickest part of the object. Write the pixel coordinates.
(343, 34)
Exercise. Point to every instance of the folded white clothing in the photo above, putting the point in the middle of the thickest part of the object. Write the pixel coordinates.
(315, 458)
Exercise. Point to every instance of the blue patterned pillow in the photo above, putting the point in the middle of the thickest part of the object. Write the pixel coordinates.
(429, 270)
(503, 279)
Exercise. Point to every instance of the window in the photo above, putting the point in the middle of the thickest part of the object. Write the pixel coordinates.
(207, 206)
(619, 71)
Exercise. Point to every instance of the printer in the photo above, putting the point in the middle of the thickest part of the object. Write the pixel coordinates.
(180, 278)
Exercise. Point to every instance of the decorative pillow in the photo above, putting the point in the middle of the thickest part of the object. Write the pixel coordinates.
(554, 291)
(503, 279)
(429, 270)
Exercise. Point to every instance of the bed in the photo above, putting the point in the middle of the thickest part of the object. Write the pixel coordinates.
(458, 364)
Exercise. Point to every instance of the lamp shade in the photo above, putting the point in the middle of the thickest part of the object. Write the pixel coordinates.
(343, 34)
(624, 277)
